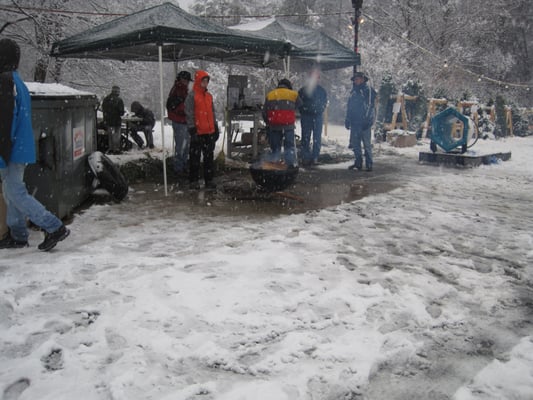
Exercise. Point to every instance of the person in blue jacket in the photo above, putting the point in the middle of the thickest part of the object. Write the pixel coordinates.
(359, 119)
(314, 101)
(17, 148)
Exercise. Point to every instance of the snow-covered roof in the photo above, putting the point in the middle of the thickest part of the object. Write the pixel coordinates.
(54, 90)
(254, 25)
(309, 46)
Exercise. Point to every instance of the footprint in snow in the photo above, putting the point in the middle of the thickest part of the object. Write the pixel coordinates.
(53, 361)
(13, 391)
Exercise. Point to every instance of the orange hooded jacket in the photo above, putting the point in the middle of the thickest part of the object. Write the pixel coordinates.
(199, 107)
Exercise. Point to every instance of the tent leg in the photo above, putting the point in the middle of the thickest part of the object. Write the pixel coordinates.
(287, 66)
(162, 118)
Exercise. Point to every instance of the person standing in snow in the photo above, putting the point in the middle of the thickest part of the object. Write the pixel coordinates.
(314, 101)
(17, 148)
(176, 113)
(279, 113)
(203, 131)
(146, 124)
(113, 110)
(359, 120)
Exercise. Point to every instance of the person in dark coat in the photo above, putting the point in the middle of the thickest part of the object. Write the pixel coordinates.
(146, 124)
(359, 119)
(113, 110)
(279, 113)
(314, 101)
(176, 113)
(17, 149)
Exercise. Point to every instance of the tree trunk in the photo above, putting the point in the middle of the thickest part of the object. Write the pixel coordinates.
(41, 68)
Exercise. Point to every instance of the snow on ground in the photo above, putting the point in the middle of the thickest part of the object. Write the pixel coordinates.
(420, 293)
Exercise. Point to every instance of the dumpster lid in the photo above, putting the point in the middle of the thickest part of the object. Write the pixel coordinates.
(55, 90)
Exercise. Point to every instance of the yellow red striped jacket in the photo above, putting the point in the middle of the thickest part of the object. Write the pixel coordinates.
(280, 108)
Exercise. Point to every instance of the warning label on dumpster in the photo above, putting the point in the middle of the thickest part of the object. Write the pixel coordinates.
(78, 142)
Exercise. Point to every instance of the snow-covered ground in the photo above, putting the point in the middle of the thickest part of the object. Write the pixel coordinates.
(424, 292)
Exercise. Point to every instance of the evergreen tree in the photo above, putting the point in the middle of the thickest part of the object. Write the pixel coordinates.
(416, 110)
(386, 90)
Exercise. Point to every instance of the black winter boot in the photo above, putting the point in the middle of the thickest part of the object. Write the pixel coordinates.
(8, 242)
(51, 239)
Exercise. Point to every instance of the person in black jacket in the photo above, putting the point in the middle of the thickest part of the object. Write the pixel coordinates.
(146, 125)
(113, 109)
(359, 120)
(314, 101)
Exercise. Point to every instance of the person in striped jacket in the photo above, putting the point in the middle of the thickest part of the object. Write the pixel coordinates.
(279, 113)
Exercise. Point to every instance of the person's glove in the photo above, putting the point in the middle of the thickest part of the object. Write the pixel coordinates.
(347, 124)
(217, 133)
(192, 131)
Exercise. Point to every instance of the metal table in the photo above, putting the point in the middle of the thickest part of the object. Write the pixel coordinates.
(243, 115)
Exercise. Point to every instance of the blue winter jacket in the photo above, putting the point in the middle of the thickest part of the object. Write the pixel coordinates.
(313, 103)
(360, 110)
(22, 141)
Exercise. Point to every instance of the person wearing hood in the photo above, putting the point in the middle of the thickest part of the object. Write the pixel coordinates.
(203, 131)
(359, 119)
(279, 113)
(176, 113)
(145, 125)
(17, 148)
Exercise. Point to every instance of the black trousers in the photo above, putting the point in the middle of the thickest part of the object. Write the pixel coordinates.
(147, 130)
(202, 145)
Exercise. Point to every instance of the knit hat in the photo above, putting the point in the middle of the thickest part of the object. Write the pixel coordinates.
(184, 75)
(136, 107)
(359, 75)
(9, 55)
(285, 83)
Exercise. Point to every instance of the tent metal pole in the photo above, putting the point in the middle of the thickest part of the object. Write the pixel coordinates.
(162, 117)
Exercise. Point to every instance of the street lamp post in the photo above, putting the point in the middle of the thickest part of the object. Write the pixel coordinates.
(357, 5)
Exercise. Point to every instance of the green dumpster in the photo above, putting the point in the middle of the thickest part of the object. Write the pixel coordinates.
(64, 127)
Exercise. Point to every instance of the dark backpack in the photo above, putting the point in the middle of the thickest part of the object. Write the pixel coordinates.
(173, 102)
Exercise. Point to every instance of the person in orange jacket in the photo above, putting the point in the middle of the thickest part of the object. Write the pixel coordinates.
(203, 130)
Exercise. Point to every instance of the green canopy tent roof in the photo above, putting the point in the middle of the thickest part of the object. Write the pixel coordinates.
(180, 35)
(308, 47)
